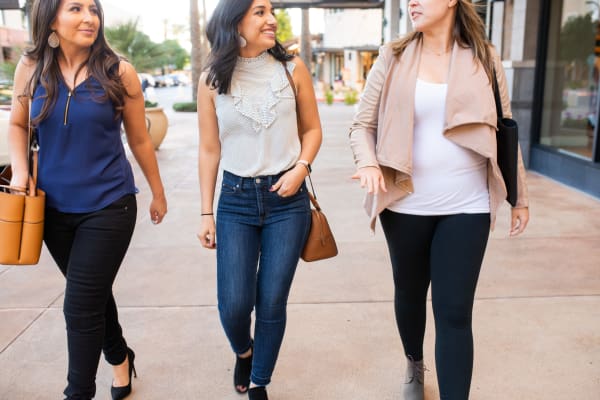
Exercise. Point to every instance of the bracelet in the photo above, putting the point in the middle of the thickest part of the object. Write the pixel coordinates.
(306, 165)
(203, 214)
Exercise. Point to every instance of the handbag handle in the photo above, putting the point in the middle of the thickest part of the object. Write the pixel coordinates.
(313, 196)
(32, 163)
(497, 99)
(32, 156)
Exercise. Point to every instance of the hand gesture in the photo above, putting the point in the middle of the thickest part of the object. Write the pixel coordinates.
(371, 178)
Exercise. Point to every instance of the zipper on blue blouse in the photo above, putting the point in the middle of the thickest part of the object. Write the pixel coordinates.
(67, 106)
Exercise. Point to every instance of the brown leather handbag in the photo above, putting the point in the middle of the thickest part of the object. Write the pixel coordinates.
(320, 243)
(22, 214)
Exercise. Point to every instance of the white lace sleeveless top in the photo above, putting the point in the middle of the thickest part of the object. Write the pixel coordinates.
(257, 119)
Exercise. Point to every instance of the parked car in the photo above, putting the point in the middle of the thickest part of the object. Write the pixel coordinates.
(180, 79)
(4, 159)
(146, 80)
(5, 91)
(163, 81)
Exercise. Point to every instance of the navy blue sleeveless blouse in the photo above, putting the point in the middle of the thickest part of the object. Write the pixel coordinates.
(82, 162)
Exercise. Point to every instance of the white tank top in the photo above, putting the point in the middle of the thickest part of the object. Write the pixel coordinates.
(447, 178)
(257, 119)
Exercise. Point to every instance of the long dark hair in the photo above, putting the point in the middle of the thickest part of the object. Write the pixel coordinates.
(468, 32)
(102, 64)
(222, 33)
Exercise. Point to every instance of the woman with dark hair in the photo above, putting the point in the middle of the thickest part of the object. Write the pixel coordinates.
(249, 127)
(424, 143)
(78, 92)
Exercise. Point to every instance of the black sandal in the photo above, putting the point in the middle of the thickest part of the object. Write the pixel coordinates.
(258, 393)
(242, 370)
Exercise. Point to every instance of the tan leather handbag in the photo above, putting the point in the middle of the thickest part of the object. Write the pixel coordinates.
(22, 214)
(320, 243)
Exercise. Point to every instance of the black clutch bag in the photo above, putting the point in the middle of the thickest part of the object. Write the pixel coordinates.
(507, 144)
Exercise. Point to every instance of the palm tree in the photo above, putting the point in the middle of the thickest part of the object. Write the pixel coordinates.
(27, 9)
(199, 42)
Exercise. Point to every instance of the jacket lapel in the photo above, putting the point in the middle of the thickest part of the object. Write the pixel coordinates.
(470, 99)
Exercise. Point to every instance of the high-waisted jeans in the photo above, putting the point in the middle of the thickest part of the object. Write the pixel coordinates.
(446, 250)
(88, 249)
(260, 236)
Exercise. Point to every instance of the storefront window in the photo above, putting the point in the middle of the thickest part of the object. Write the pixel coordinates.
(570, 111)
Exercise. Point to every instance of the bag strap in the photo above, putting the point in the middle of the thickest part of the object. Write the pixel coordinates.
(497, 97)
(313, 196)
(291, 81)
(32, 155)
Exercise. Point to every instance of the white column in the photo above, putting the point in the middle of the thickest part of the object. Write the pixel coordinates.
(497, 24)
(391, 15)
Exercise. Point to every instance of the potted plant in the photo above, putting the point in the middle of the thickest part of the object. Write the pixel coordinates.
(156, 122)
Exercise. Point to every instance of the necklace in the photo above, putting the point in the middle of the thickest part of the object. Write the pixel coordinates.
(437, 53)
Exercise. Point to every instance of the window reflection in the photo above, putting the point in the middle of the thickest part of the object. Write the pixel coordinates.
(570, 112)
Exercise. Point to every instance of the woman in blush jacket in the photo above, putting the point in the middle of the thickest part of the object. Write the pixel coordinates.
(424, 143)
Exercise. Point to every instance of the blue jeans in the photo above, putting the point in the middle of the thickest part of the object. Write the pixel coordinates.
(260, 236)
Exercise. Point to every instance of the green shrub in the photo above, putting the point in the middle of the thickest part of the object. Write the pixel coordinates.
(351, 97)
(150, 104)
(573, 123)
(191, 106)
(329, 97)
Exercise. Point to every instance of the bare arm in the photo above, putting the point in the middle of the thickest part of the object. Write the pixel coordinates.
(18, 123)
(209, 156)
(139, 140)
(309, 130)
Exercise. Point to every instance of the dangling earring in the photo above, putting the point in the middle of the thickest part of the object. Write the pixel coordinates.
(243, 42)
(53, 40)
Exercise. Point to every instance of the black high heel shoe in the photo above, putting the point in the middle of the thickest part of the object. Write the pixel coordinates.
(258, 393)
(121, 392)
(242, 370)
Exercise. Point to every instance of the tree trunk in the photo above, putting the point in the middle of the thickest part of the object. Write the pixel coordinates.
(305, 45)
(196, 38)
(28, 7)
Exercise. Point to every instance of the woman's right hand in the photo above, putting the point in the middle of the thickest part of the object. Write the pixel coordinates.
(371, 178)
(207, 234)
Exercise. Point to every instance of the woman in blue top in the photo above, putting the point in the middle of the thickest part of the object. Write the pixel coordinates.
(81, 92)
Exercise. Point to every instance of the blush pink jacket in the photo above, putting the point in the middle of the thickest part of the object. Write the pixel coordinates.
(382, 131)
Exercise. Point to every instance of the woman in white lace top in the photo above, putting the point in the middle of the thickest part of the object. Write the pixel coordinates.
(250, 129)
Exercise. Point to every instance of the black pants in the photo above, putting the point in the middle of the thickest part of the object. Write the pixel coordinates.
(446, 251)
(89, 249)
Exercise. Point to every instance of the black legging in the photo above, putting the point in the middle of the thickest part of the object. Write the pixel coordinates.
(446, 251)
(88, 249)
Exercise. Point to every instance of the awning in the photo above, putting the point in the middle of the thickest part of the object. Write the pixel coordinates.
(327, 3)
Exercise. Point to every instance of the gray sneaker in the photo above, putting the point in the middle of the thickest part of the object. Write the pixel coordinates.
(414, 388)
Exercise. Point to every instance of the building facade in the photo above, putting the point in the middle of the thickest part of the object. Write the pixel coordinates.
(351, 40)
(13, 34)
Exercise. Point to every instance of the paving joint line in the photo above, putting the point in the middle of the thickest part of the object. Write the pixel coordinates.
(184, 306)
(43, 311)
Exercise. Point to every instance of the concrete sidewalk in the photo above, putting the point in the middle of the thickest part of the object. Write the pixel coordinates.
(536, 318)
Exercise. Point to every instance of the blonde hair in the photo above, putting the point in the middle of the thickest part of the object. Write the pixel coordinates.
(468, 33)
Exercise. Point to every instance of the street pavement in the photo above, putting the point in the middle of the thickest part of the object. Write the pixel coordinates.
(536, 316)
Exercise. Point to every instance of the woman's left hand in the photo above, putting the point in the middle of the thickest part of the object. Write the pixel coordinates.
(158, 209)
(290, 182)
(519, 220)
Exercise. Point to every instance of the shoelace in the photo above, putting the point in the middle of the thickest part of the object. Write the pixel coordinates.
(418, 371)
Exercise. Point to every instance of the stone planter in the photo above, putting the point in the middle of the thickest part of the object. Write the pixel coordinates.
(157, 124)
